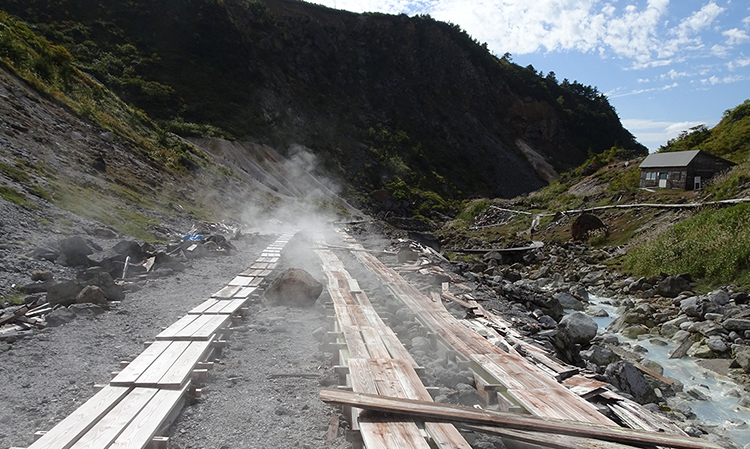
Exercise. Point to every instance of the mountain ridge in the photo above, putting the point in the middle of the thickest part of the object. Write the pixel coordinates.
(385, 102)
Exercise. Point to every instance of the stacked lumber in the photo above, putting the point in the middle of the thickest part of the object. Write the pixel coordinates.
(143, 399)
(374, 361)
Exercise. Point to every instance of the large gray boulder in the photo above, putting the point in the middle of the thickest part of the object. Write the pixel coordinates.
(568, 301)
(578, 327)
(295, 287)
(672, 286)
(74, 252)
(630, 380)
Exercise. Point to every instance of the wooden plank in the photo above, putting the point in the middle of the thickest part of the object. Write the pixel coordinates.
(140, 432)
(162, 364)
(70, 429)
(176, 326)
(354, 342)
(227, 292)
(179, 372)
(242, 281)
(202, 307)
(548, 440)
(245, 292)
(430, 411)
(207, 330)
(232, 306)
(133, 371)
(374, 344)
(113, 423)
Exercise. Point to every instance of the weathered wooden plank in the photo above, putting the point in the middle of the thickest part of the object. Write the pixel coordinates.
(176, 327)
(244, 292)
(107, 429)
(354, 342)
(202, 307)
(70, 429)
(227, 292)
(548, 440)
(140, 432)
(179, 372)
(242, 281)
(130, 374)
(374, 344)
(208, 329)
(162, 364)
(453, 413)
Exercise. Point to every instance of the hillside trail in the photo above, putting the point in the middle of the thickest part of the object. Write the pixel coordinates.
(46, 376)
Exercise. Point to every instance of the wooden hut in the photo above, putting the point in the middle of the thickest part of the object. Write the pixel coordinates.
(686, 170)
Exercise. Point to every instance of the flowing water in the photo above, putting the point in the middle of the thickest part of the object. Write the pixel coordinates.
(721, 410)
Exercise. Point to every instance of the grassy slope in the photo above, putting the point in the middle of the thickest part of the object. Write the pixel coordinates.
(129, 202)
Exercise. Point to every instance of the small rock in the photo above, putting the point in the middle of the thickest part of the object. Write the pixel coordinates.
(59, 316)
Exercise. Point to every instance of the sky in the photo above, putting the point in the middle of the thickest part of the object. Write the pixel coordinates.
(666, 66)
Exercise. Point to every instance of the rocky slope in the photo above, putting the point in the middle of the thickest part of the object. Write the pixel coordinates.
(380, 99)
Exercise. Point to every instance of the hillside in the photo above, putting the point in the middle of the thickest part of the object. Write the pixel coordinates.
(709, 243)
(406, 104)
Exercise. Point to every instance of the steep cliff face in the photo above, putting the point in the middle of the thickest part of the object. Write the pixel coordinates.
(408, 104)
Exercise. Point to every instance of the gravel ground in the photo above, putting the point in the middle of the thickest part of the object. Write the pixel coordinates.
(49, 374)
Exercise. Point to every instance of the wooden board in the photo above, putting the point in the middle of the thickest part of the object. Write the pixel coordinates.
(107, 429)
(202, 307)
(227, 292)
(242, 281)
(140, 432)
(70, 429)
(453, 413)
(197, 327)
(130, 374)
(153, 374)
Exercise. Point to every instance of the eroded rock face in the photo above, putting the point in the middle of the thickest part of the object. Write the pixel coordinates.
(295, 287)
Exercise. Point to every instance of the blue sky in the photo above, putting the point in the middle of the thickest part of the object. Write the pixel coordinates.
(665, 66)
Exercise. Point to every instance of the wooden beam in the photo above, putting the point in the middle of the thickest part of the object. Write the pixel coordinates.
(433, 411)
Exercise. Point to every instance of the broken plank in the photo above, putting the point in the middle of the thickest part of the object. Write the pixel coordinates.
(547, 440)
(434, 411)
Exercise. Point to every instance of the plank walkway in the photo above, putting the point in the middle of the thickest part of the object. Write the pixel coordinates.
(377, 363)
(143, 399)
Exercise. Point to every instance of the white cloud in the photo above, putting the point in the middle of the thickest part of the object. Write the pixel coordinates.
(719, 51)
(738, 63)
(673, 74)
(638, 32)
(725, 80)
(735, 36)
(642, 91)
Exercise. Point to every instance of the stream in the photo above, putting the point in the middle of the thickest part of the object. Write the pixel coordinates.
(722, 410)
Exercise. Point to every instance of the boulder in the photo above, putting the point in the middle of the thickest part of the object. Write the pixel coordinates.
(294, 287)
(129, 248)
(584, 225)
(596, 311)
(692, 307)
(671, 286)
(600, 355)
(568, 301)
(579, 291)
(742, 357)
(59, 316)
(719, 297)
(45, 253)
(74, 252)
(630, 380)
(634, 331)
(64, 293)
(91, 294)
(579, 328)
(716, 344)
(103, 280)
(737, 324)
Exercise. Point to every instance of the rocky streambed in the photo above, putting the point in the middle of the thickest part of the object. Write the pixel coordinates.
(625, 329)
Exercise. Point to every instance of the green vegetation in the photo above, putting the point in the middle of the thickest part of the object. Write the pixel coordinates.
(714, 246)
(8, 194)
(730, 138)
